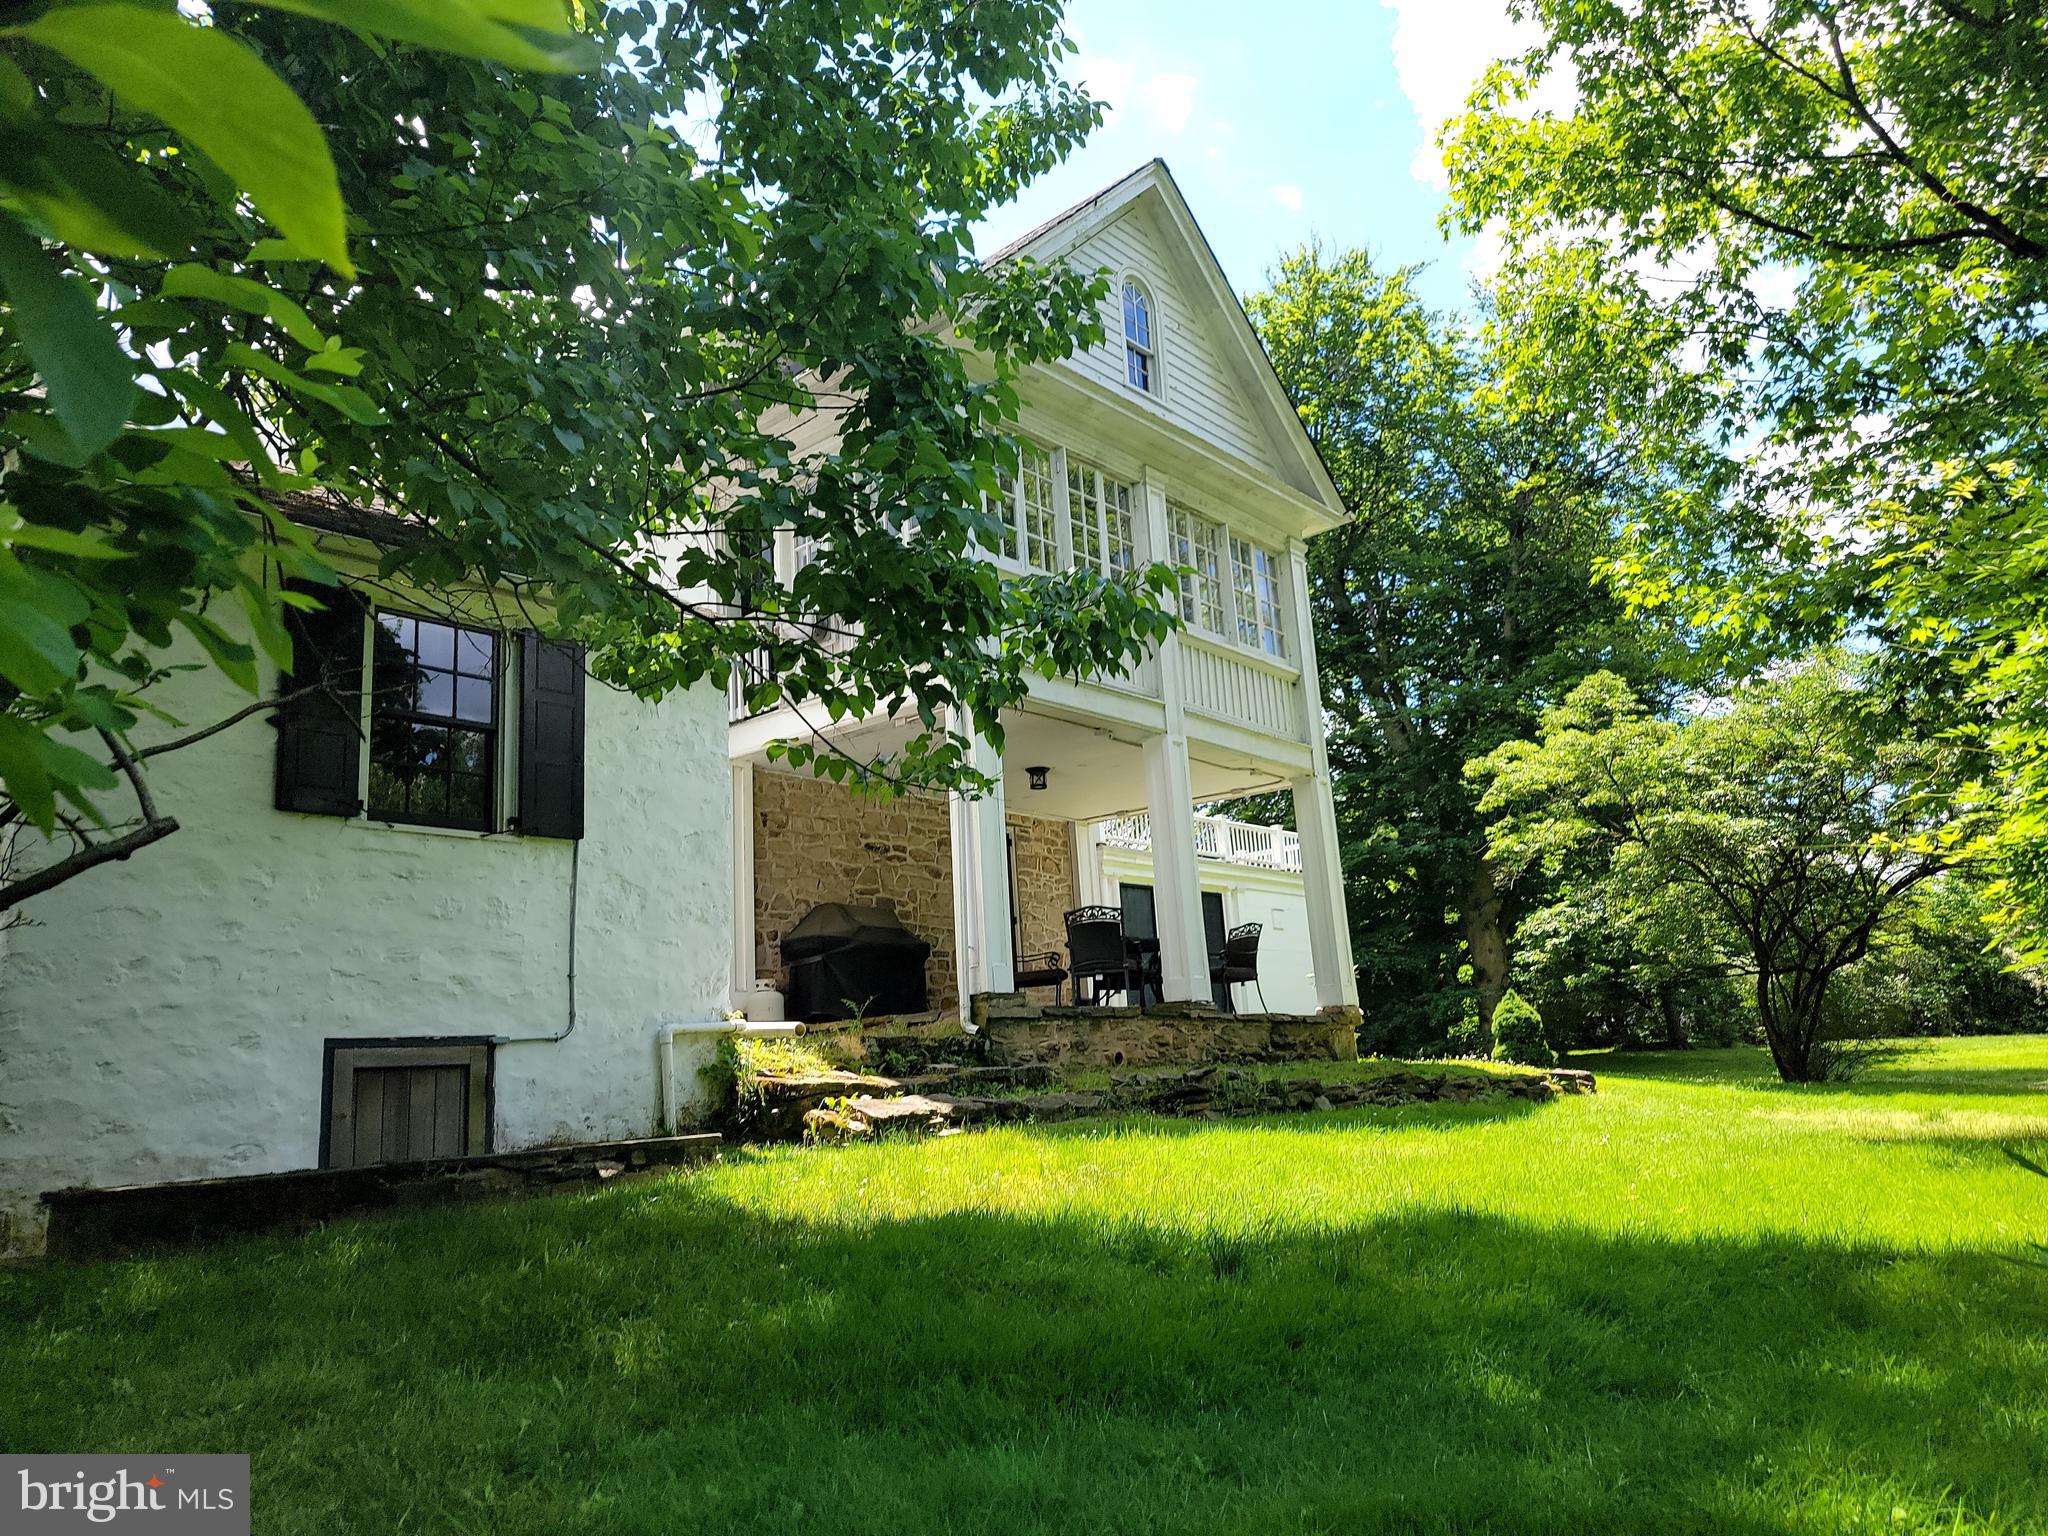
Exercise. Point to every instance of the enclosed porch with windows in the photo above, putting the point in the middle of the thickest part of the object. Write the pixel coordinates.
(1006, 896)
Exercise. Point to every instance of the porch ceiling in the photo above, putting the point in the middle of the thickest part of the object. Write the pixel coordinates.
(1096, 770)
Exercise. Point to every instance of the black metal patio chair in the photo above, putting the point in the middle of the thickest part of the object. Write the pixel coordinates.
(1041, 971)
(1095, 950)
(1238, 961)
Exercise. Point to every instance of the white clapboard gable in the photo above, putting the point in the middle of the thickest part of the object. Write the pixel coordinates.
(1214, 380)
(1193, 383)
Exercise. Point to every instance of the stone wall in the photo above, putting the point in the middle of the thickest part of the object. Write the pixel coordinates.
(1016, 1033)
(814, 842)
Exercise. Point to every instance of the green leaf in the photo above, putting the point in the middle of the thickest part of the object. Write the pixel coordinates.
(345, 398)
(234, 658)
(86, 197)
(219, 96)
(527, 34)
(90, 381)
(37, 610)
(22, 771)
(192, 281)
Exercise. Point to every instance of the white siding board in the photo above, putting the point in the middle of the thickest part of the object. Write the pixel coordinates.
(1199, 394)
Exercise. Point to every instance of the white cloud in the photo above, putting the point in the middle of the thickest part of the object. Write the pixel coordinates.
(1107, 80)
(1441, 48)
(1288, 196)
(1172, 99)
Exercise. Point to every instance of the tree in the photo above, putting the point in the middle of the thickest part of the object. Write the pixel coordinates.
(1849, 204)
(1773, 831)
(1486, 468)
(546, 354)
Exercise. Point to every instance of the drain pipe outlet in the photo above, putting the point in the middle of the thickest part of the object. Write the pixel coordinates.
(669, 1031)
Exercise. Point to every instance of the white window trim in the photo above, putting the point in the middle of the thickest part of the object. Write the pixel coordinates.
(1155, 351)
(505, 792)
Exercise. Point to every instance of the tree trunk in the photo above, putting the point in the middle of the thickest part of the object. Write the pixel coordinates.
(1486, 943)
(1674, 1021)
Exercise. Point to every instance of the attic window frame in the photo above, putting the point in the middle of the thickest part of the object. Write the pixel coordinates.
(1141, 358)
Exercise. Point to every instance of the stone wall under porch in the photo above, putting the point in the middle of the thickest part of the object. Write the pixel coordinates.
(814, 841)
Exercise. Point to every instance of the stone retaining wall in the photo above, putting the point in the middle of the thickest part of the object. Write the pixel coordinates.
(134, 1218)
(1171, 1035)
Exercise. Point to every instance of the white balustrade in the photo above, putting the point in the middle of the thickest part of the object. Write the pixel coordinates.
(1216, 837)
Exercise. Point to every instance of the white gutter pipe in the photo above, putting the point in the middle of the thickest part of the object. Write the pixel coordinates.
(666, 1033)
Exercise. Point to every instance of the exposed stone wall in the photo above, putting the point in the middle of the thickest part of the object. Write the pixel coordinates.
(1176, 1034)
(814, 842)
(1044, 852)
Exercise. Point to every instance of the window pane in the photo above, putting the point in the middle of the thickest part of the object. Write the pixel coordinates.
(1004, 510)
(429, 796)
(1041, 523)
(1140, 369)
(473, 699)
(474, 652)
(469, 751)
(436, 694)
(398, 627)
(436, 644)
(387, 791)
(469, 800)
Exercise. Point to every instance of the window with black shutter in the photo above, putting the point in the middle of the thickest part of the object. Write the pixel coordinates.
(466, 728)
(319, 725)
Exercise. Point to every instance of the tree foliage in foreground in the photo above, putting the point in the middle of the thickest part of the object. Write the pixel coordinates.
(1849, 204)
(1486, 467)
(544, 336)
(1774, 833)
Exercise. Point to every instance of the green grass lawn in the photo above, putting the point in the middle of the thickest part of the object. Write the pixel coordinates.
(1695, 1301)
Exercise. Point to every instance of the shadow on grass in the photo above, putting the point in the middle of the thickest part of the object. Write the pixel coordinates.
(659, 1358)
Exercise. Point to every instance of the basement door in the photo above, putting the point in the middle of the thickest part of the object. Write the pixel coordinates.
(399, 1103)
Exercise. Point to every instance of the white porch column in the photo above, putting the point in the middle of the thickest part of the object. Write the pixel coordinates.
(1315, 816)
(742, 881)
(1176, 875)
(981, 881)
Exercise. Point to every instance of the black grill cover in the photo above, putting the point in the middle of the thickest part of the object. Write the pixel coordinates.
(846, 960)
(835, 925)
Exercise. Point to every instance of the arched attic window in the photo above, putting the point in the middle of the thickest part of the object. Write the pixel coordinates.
(1141, 354)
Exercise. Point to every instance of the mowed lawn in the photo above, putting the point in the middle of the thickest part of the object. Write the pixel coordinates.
(1695, 1301)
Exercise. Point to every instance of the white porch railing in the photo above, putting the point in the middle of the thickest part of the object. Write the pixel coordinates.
(1216, 837)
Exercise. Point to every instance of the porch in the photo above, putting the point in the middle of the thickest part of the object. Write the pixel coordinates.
(1086, 811)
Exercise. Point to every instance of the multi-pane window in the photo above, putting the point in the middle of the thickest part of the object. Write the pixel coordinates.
(1030, 522)
(1197, 546)
(1141, 362)
(1255, 576)
(433, 723)
(1099, 508)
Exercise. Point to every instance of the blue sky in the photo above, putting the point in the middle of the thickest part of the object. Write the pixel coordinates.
(1282, 120)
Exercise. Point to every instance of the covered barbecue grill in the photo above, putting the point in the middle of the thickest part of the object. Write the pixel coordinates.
(845, 960)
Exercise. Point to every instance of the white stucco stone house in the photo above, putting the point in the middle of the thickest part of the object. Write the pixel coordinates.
(246, 995)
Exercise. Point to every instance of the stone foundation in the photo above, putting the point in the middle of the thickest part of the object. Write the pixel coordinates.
(137, 1218)
(1170, 1034)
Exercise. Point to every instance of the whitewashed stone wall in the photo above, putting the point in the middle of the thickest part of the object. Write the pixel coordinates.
(164, 1018)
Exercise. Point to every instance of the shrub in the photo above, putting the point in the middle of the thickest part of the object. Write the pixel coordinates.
(1518, 1033)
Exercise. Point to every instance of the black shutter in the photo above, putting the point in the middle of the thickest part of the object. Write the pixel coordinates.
(319, 734)
(550, 738)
